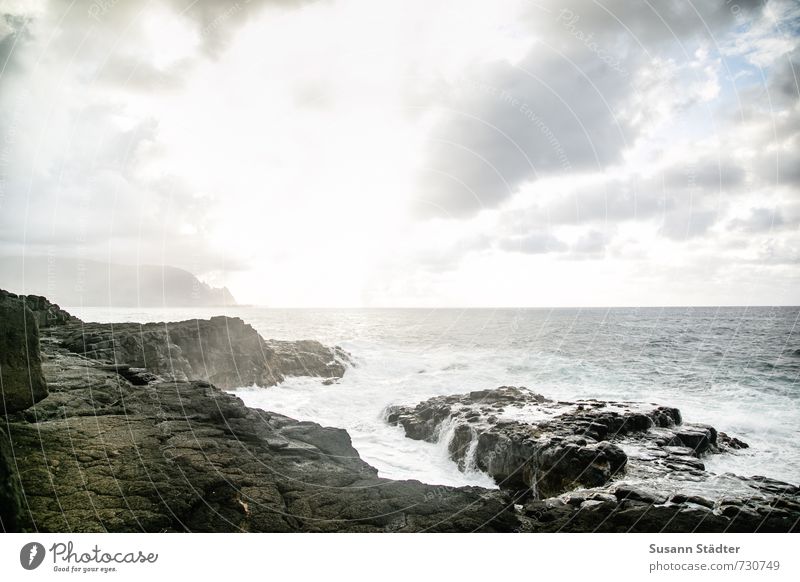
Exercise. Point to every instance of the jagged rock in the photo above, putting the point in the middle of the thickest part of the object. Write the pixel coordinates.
(639, 510)
(101, 453)
(565, 444)
(21, 380)
(731, 442)
(699, 438)
(222, 350)
(592, 465)
(551, 447)
(633, 493)
(679, 498)
(47, 314)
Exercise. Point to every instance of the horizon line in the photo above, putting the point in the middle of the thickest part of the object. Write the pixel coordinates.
(258, 306)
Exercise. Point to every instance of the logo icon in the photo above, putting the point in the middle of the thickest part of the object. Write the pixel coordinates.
(31, 555)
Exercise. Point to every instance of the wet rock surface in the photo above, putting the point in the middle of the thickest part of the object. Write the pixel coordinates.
(526, 441)
(120, 444)
(105, 453)
(595, 465)
(770, 506)
(21, 380)
(222, 350)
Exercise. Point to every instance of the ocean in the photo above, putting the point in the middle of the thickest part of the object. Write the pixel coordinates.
(735, 368)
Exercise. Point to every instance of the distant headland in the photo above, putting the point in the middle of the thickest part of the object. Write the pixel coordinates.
(83, 282)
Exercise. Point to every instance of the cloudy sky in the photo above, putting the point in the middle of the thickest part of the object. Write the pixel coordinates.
(412, 152)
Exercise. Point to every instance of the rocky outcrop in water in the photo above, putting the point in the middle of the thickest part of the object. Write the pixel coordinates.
(600, 465)
(222, 350)
(21, 380)
(727, 504)
(112, 450)
(524, 440)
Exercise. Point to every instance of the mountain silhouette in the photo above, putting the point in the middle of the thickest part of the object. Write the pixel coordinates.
(79, 282)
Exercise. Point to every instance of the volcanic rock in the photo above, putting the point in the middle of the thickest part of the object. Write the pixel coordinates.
(21, 380)
(222, 350)
(102, 453)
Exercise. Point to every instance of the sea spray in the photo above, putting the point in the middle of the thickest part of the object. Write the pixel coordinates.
(734, 368)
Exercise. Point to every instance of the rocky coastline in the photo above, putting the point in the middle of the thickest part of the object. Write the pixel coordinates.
(593, 465)
(110, 446)
(126, 427)
(222, 350)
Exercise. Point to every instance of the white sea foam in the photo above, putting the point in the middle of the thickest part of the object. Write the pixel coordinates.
(733, 368)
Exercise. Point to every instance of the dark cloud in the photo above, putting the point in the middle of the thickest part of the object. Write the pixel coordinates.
(13, 32)
(777, 146)
(785, 80)
(517, 123)
(685, 199)
(749, 5)
(575, 103)
(650, 24)
(634, 198)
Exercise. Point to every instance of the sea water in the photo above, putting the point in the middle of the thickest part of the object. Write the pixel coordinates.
(735, 368)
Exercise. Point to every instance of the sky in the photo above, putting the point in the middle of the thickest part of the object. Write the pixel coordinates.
(409, 153)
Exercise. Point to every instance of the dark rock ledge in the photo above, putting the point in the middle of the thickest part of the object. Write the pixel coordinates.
(102, 453)
(111, 447)
(598, 465)
(222, 350)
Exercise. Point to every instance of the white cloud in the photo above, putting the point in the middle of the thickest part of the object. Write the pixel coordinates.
(418, 152)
